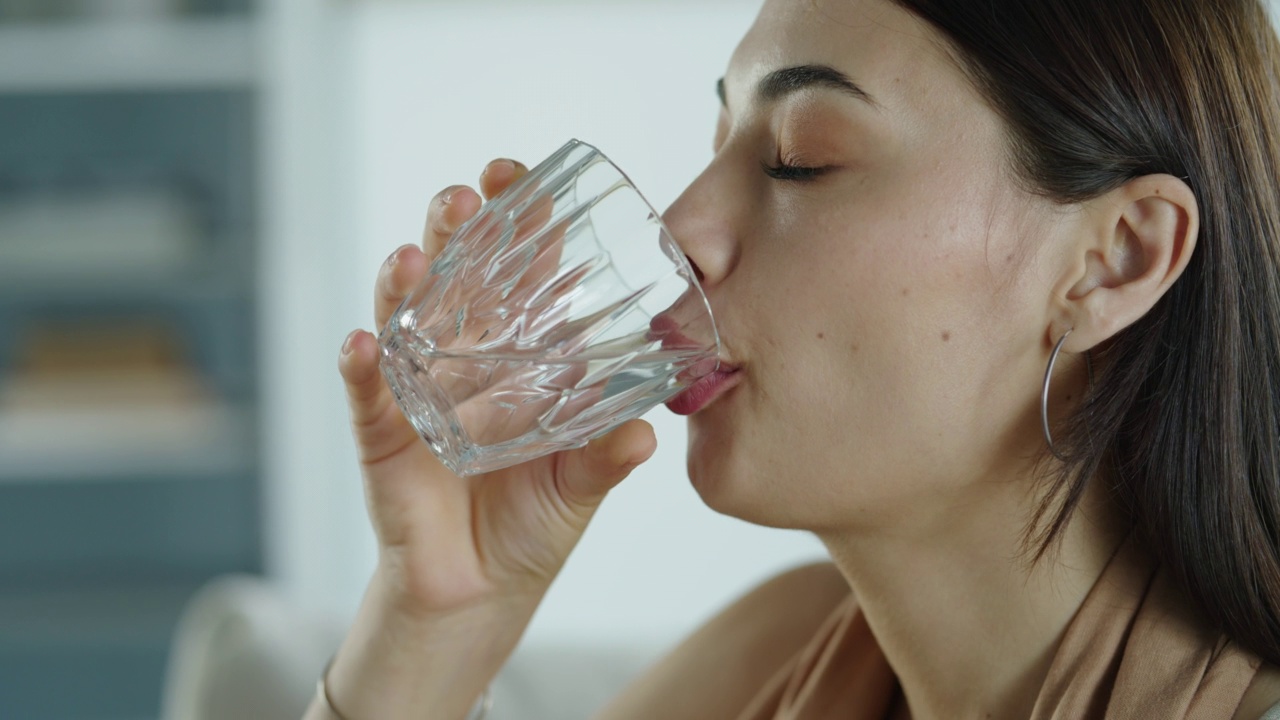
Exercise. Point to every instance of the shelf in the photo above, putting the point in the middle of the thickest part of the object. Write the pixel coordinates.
(217, 287)
(191, 54)
(124, 444)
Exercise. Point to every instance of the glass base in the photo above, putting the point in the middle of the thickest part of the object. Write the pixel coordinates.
(425, 408)
(422, 405)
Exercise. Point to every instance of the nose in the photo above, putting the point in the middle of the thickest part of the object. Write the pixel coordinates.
(702, 223)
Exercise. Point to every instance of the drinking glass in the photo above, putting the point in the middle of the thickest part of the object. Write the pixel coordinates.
(562, 309)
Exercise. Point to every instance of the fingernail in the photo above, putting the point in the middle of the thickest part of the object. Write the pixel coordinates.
(501, 162)
(394, 260)
(351, 338)
(447, 197)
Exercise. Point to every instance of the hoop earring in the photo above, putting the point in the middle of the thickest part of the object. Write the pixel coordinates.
(1044, 393)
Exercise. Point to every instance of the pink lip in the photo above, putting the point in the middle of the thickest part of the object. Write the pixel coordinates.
(665, 328)
(703, 392)
(707, 387)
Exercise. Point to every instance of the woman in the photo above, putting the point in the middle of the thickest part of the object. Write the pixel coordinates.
(1001, 283)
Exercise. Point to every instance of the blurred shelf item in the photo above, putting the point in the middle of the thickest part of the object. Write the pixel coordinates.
(209, 285)
(109, 233)
(28, 10)
(127, 443)
(113, 402)
(61, 10)
(128, 171)
(142, 54)
(131, 213)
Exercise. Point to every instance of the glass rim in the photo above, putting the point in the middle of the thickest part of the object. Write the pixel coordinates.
(682, 261)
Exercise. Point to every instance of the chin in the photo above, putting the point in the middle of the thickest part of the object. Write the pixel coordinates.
(711, 466)
(727, 482)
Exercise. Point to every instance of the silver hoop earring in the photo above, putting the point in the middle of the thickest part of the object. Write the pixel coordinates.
(1044, 394)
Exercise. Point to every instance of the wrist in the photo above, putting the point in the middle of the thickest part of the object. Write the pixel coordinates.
(396, 664)
(400, 593)
(479, 711)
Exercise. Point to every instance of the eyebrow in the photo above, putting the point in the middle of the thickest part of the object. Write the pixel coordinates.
(786, 81)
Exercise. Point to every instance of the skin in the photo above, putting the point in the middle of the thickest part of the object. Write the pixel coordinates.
(892, 320)
(923, 288)
(891, 401)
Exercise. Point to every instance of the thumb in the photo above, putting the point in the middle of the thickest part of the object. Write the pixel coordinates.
(590, 472)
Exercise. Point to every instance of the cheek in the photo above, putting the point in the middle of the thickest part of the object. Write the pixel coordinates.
(897, 278)
(891, 304)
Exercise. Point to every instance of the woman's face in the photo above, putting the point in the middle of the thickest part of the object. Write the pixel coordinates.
(890, 315)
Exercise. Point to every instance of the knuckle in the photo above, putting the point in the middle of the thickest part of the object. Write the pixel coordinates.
(438, 224)
(387, 291)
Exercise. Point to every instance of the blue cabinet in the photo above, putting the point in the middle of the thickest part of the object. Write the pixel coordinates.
(129, 466)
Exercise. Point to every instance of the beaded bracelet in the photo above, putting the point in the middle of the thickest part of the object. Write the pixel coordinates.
(479, 712)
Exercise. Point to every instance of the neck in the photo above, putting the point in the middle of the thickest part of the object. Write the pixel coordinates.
(965, 619)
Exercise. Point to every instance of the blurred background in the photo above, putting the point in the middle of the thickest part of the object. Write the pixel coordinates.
(195, 196)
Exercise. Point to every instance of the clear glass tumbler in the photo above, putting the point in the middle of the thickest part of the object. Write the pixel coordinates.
(562, 309)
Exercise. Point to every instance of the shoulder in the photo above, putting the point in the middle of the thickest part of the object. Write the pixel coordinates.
(1262, 695)
(721, 666)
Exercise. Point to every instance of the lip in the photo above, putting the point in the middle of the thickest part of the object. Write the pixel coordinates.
(665, 328)
(707, 387)
(703, 392)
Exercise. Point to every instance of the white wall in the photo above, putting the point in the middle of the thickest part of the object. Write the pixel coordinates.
(314, 545)
(431, 92)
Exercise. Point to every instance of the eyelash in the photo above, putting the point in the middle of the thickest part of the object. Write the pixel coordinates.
(795, 173)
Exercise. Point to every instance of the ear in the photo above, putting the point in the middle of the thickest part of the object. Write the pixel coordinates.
(1135, 242)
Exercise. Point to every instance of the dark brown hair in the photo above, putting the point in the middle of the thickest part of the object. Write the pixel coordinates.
(1184, 411)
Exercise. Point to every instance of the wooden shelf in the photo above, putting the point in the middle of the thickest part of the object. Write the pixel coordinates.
(217, 53)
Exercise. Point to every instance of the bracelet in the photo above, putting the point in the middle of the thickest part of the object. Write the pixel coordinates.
(479, 712)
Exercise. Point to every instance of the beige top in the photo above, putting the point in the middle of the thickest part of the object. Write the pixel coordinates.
(1133, 650)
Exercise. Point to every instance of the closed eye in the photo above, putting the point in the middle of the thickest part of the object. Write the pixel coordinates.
(796, 173)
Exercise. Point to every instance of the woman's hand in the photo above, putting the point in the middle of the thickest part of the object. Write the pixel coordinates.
(463, 562)
(448, 542)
